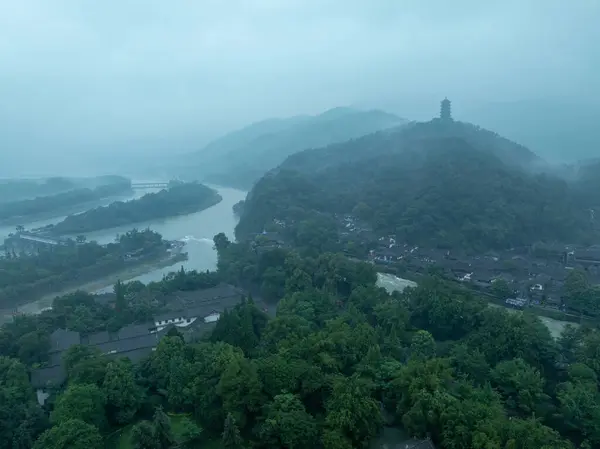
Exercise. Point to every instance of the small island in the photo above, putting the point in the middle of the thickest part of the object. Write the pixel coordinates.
(178, 199)
(35, 266)
(27, 209)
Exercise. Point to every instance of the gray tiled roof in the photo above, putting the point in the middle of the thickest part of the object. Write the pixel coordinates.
(203, 302)
(129, 344)
(62, 339)
(135, 355)
(134, 330)
(52, 376)
(98, 338)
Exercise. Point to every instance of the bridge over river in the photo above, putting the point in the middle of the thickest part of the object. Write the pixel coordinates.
(150, 185)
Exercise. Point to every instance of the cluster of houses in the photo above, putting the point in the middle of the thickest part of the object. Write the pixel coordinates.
(201, 309)
(533, 275)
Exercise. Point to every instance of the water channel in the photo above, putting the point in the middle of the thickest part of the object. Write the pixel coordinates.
(196, 230)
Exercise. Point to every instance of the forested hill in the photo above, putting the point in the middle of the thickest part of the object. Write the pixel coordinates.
(411, 136)
(242, 157)
(427, 186)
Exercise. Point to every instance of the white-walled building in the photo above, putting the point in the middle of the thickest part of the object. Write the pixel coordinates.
(185, 318)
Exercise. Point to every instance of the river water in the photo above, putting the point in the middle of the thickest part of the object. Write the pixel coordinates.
(196, 230)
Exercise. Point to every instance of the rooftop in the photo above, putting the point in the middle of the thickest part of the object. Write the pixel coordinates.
(46, 377)
(62, 339)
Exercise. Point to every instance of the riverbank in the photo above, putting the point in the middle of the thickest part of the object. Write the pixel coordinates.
(128, 273)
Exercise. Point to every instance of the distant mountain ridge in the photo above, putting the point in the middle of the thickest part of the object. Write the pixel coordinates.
(243, 156)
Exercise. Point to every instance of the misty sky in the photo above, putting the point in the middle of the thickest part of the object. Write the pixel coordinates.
(83, 78)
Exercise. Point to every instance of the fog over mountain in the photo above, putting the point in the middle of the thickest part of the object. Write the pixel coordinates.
(85, 84)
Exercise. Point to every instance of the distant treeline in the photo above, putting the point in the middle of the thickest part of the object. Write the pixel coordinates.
(45, 204)
(23, 189)
(178, 200)
(19, 189)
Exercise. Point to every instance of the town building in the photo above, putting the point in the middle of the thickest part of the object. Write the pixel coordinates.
(135, 341)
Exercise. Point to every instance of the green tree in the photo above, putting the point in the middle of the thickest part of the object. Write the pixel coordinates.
(231, 438)
(221, 242)
(422, 345)
(83, 402)
(287, 424)
(85, 365)
(143, 436)
(362, 211)
(33, 347)
(521, 386)
(121, 299)
(501, 289)
(577, 290)
(123, 395)
(579, 410)
(168, 349)
(190, 433)
(70, 434)
(21, 419)
(163, 430)
(335, 439)
(240, 390)
(352, 411)
(531, 433)
(471, 363)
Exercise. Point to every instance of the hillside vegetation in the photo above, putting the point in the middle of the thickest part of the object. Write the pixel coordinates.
(242, 157)
(442, 184)
(179, 199)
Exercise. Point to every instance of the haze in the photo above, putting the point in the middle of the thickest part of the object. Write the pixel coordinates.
(84, 84)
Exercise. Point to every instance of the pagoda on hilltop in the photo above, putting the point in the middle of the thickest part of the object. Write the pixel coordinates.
(446, 110)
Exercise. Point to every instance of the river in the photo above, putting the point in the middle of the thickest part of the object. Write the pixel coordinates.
(196, 230)
(38, 223)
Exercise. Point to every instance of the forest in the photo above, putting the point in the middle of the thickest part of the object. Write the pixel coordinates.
(62, 201)
(24, 277)
(341, 361)
(179, 199)
(440, 191)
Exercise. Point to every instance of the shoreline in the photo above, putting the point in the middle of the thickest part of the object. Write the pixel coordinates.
(45, 301)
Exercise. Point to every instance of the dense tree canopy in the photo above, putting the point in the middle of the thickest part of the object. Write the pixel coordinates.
(341, 360)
